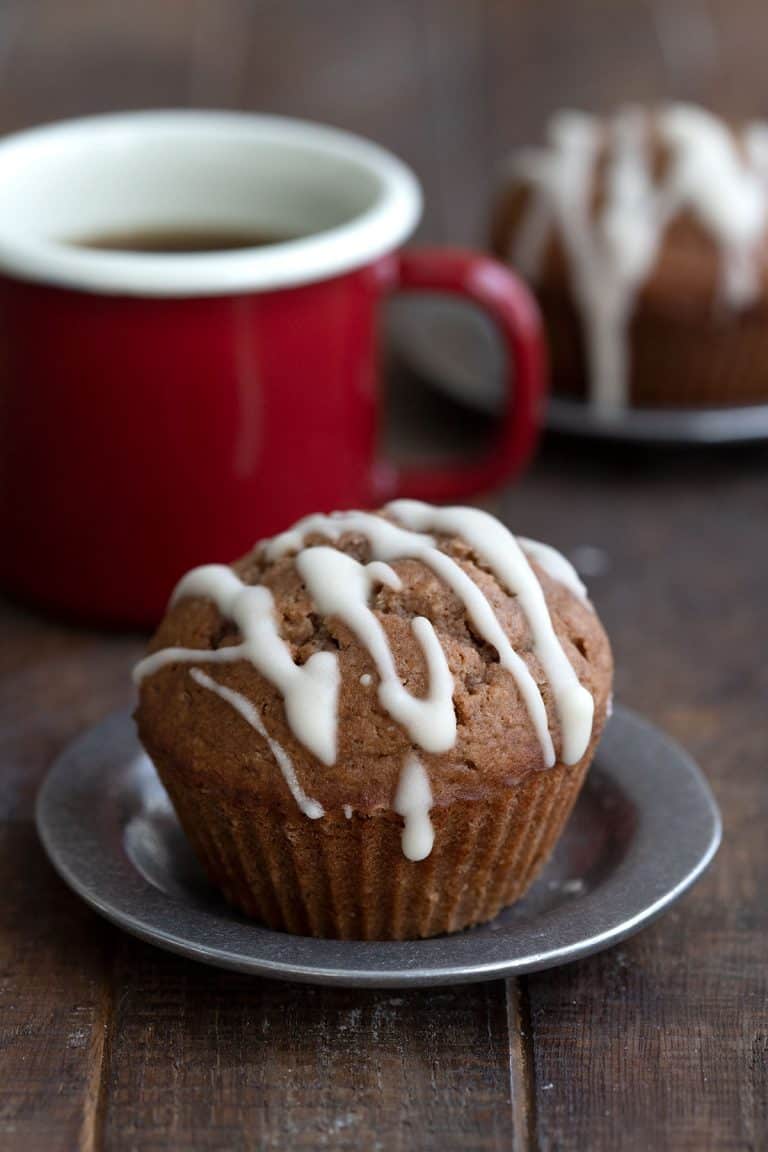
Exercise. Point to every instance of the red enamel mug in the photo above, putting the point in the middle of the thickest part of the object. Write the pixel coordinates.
(158, 411)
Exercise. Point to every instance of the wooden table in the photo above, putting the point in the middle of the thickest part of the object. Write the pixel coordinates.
(106, 1043)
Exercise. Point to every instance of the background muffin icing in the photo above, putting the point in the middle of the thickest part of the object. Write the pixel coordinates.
(381, 657)
(610, 190)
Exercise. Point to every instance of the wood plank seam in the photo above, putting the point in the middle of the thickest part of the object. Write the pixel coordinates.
(97, 1093)
(522, 1085)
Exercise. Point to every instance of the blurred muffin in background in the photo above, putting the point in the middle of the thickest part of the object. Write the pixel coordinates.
(645, 236)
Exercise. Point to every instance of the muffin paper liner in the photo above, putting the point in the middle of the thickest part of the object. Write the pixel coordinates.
(348, 879)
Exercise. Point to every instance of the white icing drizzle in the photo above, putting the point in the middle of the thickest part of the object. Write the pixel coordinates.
(497, 547)
(711, 177)
(610, 255)
(340, 586)
(388, 541)
(366, 679)
(555, 565)
(310, 691)
(348, 811)
(250, 714)
(413, 801)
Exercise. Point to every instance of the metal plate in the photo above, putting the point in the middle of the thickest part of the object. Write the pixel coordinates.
(455, 348)
(661, 425)
(644, 828)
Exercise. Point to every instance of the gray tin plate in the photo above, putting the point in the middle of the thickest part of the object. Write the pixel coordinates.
(645, 827)
(455, 348)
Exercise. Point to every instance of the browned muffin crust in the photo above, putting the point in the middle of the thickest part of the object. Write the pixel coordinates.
(496, 745)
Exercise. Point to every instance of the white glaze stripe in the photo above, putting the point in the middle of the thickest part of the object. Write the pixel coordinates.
(555, 565)
(497, 547)
(340, 586)
(608, 257)
(250, 714)
(413, 801)
(710, 175)
(390, 541)
(486, 622)
(310, 691)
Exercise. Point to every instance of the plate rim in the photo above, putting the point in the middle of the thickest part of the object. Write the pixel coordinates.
(669, 426)
(411, 953)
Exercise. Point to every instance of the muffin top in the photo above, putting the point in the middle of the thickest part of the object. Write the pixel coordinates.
(664, 208)
(365, 661)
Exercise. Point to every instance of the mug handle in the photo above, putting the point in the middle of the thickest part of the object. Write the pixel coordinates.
(508, 302)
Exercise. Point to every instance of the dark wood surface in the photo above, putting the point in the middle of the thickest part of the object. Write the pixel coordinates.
(660, 1043)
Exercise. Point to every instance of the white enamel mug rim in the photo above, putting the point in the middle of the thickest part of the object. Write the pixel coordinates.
(367, 201)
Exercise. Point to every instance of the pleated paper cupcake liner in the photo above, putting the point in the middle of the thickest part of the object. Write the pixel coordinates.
(348, 878)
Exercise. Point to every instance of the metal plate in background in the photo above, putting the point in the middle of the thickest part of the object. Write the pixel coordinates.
(454, 347)
(644, 829)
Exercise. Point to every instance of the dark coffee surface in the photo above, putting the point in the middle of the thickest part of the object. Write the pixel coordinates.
(179, 240)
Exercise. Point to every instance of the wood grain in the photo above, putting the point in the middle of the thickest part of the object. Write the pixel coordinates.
(55, 961)
(212, 1060)
(54, 680)
(55, 1000)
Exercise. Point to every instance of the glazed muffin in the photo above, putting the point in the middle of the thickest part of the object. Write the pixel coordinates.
(645, 237)
(375, 725)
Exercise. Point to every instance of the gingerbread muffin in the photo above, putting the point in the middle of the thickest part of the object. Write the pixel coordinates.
(645, 237)
(375, 725)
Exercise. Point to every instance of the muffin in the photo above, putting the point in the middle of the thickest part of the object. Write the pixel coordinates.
(375, 725)
(645, 237)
